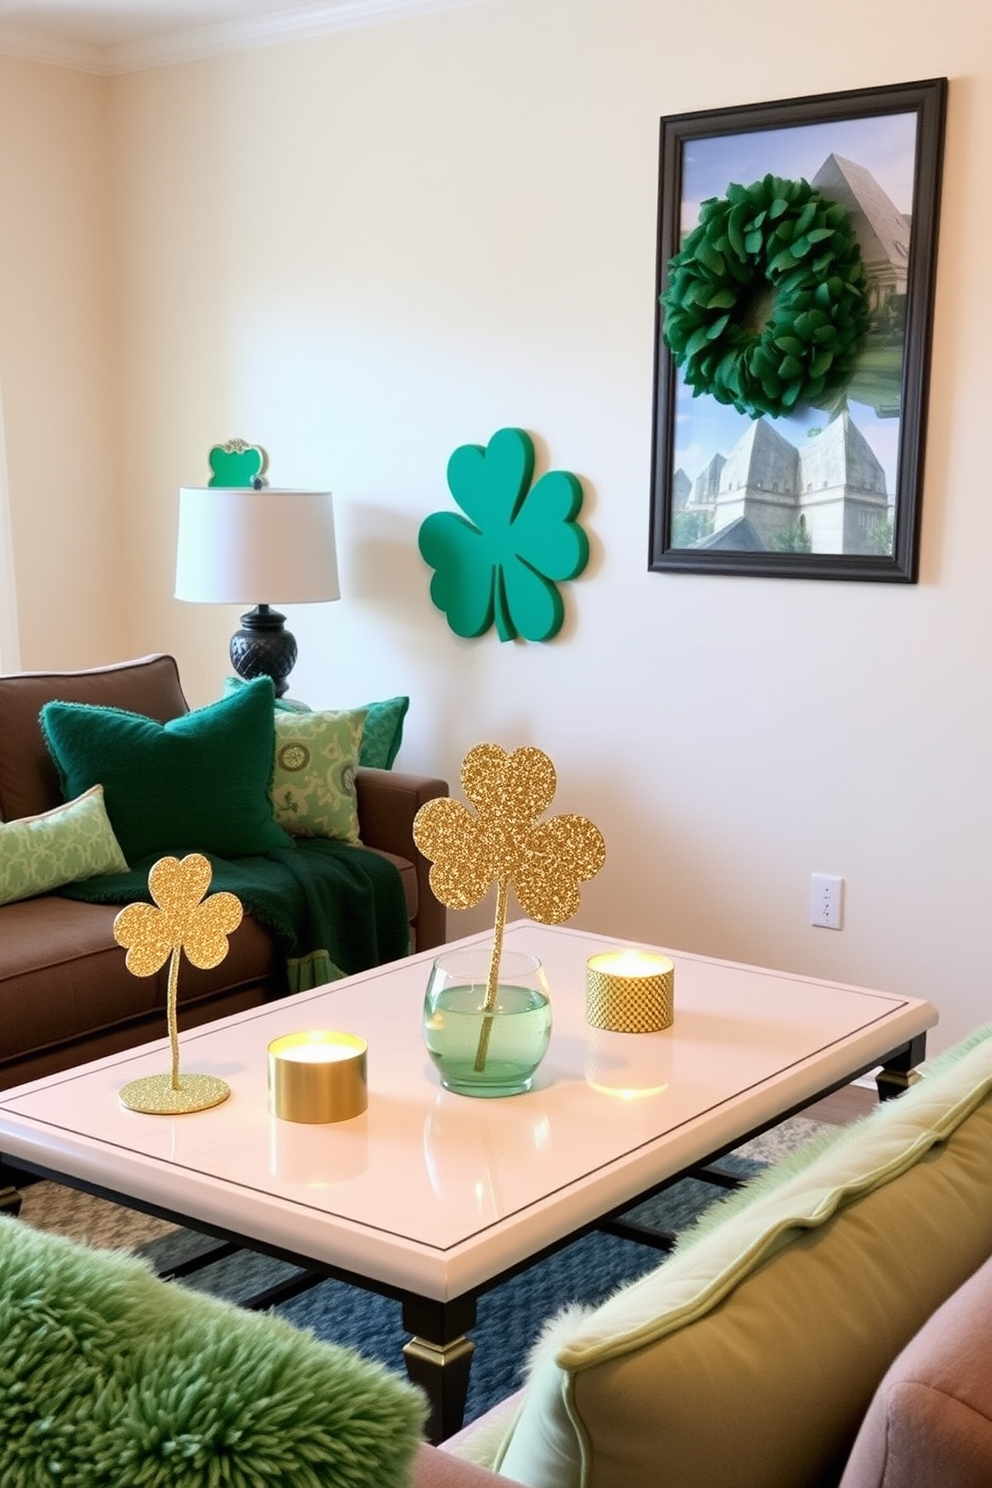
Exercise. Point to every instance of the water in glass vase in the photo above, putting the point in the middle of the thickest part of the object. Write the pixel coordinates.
(487, 1053)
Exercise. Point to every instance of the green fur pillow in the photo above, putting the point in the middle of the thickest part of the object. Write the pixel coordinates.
(111, 1376)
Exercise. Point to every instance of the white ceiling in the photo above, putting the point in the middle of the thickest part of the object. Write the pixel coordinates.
(112, 36)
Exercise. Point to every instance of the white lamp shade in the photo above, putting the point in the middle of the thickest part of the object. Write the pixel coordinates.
(238, 545)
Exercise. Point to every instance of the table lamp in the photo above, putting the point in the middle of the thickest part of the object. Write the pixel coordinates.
(237, 543)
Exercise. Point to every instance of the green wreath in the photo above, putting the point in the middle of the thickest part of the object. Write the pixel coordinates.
(765, 305)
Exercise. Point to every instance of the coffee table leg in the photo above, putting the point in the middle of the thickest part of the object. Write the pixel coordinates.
(10, 1201)
(439, 1357)
(11, 1181)
(899, 1070)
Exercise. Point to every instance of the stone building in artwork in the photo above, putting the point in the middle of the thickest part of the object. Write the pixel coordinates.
(831, 488)
(881, 229)
(681, 490)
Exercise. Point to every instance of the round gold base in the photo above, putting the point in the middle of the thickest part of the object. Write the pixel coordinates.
(155, 1096)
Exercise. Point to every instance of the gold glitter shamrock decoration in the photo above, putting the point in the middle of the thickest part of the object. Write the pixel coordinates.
(177, 921)
(504, 842)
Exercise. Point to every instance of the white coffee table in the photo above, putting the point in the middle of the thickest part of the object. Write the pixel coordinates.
(433, 1197)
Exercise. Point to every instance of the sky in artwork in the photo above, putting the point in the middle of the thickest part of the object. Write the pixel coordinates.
(886, 146)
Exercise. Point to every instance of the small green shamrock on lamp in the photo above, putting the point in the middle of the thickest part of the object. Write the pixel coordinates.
(502, 559)
(237, 463)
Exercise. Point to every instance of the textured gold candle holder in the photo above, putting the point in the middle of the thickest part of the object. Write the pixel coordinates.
(318, 1077)
(630, 991)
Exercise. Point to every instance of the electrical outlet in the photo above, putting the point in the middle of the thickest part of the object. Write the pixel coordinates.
(826, 901)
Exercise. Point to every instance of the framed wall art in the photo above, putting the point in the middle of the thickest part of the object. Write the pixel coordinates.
(796, 265)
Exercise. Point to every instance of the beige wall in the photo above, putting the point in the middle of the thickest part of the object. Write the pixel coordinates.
(365, 250)
(56, 345)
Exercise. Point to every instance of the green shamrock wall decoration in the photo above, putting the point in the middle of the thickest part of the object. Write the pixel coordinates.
(237, 463)
(501, 560)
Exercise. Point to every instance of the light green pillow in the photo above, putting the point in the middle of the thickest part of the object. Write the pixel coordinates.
(199, 783)
(751, 1355)
(313, 780)
(62, 846)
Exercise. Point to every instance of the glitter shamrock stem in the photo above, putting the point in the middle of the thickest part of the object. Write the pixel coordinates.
(492, 985)
(171, 1011)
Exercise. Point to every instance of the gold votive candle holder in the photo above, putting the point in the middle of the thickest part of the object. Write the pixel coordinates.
(630, 991)
(318, 1077)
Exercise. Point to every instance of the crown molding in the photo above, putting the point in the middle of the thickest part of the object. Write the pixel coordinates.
(215, 40)
(57, 51)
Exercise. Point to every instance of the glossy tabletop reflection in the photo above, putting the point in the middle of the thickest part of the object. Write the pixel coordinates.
(436, 1192)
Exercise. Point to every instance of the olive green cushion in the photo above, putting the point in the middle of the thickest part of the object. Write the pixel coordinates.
(113, 1377)
(199, 783)
(751, 1355)
(72, 842)
(313, 781)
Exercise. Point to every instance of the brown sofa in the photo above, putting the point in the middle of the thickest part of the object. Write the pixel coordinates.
(65, 994)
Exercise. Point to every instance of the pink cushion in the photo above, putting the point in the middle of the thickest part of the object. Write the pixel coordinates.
(930, 1422)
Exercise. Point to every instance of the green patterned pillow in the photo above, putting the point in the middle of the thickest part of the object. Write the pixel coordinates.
(72, 842)
(313, 782)
(199, 783)
(383, 733)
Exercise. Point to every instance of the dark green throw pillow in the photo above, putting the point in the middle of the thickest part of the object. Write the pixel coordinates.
(199, 783)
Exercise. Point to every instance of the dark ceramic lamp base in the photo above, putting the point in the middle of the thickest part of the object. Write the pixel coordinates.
(263, 647)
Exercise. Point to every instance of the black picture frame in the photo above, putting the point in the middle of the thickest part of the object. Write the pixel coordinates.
(701, 521)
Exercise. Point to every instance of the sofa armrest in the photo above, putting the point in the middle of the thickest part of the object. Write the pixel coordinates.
(388, 801)
(435, 1468)
(930, 1421)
